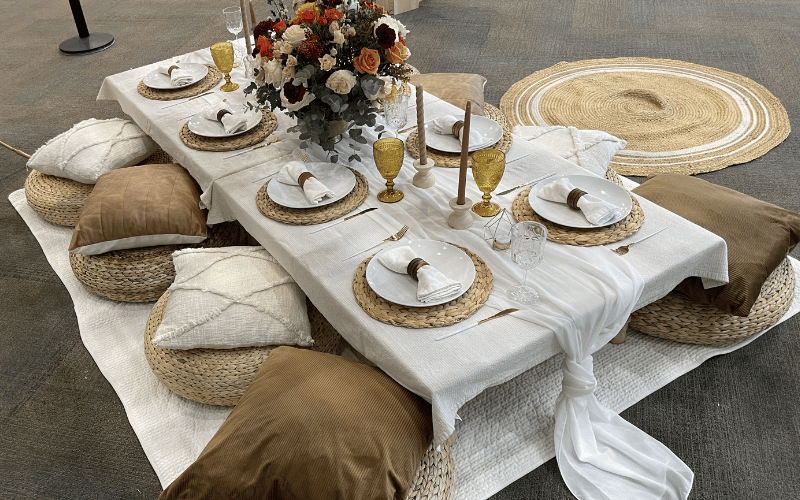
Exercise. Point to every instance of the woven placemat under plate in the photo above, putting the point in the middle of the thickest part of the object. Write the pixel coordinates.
(676, 117)
(495, 114)
(453, 160)
(445, 314)
(311, 216)
(676, 317)
(249, 138)
(522, 211)
(207, 83)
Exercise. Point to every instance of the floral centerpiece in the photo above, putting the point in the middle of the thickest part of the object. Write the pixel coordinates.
(328, 67)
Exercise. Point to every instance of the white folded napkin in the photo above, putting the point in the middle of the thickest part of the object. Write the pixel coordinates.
(314, 190)
(179, 76)
(444, 126)
(595, 210)
(233, 121)
(433, 285)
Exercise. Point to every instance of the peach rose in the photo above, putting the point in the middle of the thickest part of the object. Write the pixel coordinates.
(397, 53)
(327, 62)
(368, 61)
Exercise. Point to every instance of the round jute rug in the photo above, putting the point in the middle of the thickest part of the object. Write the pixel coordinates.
(676, 116)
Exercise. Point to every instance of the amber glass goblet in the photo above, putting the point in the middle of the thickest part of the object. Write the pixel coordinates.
(388, 154)
(222, 53)
(488, 166)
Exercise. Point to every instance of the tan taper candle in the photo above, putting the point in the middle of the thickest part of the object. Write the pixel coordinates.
(252, 15)
(462, 173)
(423, 152)
(246, 28)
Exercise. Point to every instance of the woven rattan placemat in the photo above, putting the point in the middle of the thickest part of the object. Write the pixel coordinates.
(250, 138)
(522, 211)
(311, 216)
(676, 116)
(452, 160)
(207, 83)
(445, 314)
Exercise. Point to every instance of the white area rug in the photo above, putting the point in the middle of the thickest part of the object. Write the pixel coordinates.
(505, 432)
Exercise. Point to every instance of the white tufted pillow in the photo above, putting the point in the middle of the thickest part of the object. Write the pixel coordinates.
(91, 148)
(230, 297)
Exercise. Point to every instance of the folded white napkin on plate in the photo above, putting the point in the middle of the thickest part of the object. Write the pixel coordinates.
(433, 285)
(179, 76)
(314, 190)
(234, 122)
(596, 211)
(444, 126)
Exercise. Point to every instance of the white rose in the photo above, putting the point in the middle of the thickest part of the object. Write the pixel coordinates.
(351, 31)
(288, 73)
(338, 38)
(298, 105)
(291, 61)
(393, 23)
(273, 73)
(327, 62)
(334, 52)
(294, 35)
(341, 81)
(333, 27)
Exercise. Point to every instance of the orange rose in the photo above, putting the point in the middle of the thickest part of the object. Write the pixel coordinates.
(308, 16)
(397, 53)
(280, 26)
(264, 47)
(333, 15)
(368, 61)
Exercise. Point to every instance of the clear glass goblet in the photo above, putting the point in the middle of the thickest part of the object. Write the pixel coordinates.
(388, 153)
(527, 250)
(488, 166)
(222, 53)
(395, 110)
(233, 21)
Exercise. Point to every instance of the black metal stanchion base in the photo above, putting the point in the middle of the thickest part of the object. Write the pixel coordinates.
(95, 42)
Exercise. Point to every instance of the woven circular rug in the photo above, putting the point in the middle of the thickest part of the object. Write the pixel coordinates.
(677, 117)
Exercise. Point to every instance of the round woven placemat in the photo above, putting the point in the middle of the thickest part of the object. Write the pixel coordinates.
(522, 211)
(495, 114)
(219, 376)
(311, 216)
(207, 83)
(453, 160)
(677, 117)
(250, 138)
(445, 314)
(676, 317)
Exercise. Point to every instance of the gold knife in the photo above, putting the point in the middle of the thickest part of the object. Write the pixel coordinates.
(346, 218)
(473, 324)
(525, 184)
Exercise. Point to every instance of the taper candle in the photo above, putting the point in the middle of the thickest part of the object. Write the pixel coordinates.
(252, 14)
(246, 28)
(423, 152)
(462, 173)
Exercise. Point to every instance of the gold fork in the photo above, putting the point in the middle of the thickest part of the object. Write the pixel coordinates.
(396, 236)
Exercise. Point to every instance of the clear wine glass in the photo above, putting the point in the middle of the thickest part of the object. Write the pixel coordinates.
(395, 110)
(527, 250)
(233, 21)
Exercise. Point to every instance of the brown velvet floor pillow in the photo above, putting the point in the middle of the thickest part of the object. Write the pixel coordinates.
(759, 235)
(455, 88)
(313, 426)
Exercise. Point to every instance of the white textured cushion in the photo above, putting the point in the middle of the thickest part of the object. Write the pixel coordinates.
(91, 148)
(230, 297)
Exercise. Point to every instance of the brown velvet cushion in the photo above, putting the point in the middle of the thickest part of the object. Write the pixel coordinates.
(141, 206)
(455, 88)
(313, 426)
(759, 235)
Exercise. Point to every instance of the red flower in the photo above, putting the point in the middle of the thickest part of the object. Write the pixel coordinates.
(322, 21)
(333, 14)
(308, 16)
(264, 47)
(293, 93)
(311, 48)
(263, 28)
(280, 26)
(332, 3)
(386, 36)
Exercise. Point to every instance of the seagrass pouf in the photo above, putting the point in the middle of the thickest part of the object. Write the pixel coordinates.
(676, 317)
(144, 274)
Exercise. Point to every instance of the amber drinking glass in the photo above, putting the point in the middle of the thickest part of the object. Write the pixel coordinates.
(388, 154)
(488, 166)
(222, 53)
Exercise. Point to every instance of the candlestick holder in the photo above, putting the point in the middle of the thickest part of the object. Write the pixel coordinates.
(424, 178)
(461, 218)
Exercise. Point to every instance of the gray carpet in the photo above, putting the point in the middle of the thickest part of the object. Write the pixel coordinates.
(734, 420)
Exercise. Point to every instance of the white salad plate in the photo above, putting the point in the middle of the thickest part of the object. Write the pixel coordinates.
(341, 180)
(561, 214)
(202, 126)
(490, 131)
(156, 80)
(402, 289)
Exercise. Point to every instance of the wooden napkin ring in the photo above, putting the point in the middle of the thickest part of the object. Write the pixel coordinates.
(169, 70)
(415, 265)
(221, 113)
(573, 197)
(457, 126)
(302, 178)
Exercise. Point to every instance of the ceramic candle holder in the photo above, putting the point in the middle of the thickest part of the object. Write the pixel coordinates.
(424, 177)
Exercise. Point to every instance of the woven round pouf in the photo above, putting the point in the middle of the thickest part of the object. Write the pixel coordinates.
(677, 318)
(219, 376)
(144, 274)
(436, 476)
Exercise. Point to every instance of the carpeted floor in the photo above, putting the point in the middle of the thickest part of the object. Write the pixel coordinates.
(734, 420)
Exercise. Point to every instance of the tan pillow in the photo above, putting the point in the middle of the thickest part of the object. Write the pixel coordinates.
(141, 206)
(455, 88)
(313, 426)
(759, 235)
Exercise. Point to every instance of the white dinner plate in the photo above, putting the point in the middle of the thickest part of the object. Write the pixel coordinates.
(202, 126)
(339, 179)
(560, 213)
(490, 131)
(402, 289)
(156, 80)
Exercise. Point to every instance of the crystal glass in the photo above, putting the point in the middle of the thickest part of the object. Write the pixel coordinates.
(488, 166)
(388, 154)
(395, 110)
(527, 250)
(222, 53)
(233, 21)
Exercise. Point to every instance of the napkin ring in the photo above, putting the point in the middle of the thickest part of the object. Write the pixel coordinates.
(169, 70)
(302, 178)
(457, 126)
(573, 197)
(415, 265)
(221, 113)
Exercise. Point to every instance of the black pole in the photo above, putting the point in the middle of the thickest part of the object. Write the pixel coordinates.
(85, 42)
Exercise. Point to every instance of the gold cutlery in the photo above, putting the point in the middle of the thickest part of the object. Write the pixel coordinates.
(525, 184)
(189, 99)
(473, 324)
(346, 218)
(624, 248)
(396, 236)
(245, 151)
